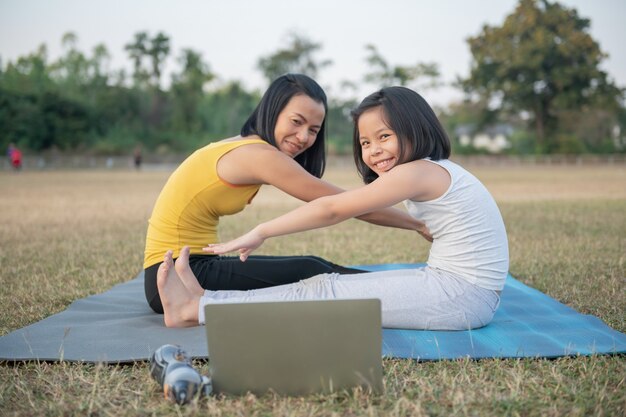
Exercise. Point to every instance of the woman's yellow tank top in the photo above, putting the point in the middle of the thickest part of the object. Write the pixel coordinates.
(188, 209)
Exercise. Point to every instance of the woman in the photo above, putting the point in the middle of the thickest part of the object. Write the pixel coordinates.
(282, 144)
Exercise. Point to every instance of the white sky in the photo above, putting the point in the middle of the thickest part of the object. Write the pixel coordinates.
(233, 34)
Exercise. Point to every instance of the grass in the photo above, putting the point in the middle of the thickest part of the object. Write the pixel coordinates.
(66, 235)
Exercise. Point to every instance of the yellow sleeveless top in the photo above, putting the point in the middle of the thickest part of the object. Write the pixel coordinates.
(188, 209)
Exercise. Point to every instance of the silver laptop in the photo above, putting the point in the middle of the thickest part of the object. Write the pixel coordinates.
(295, 347)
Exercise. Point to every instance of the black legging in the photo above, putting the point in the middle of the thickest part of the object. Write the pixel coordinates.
(229, 273)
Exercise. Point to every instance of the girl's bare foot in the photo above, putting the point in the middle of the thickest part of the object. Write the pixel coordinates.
(185, 273)
(180, 306)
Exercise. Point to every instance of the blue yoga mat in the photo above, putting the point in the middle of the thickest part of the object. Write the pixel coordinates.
(528, 323)
(117, 326)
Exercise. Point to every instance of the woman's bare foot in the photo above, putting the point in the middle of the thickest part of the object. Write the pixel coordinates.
(185, 273)
(180, 306)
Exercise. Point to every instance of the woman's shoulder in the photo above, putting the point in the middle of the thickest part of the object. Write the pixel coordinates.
(250, 149)
(244, 140)
(245, 144)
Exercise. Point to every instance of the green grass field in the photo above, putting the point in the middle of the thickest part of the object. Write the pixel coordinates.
(67, 235)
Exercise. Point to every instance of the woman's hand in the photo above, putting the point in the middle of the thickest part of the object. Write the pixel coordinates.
(423, 230)
(245, 245)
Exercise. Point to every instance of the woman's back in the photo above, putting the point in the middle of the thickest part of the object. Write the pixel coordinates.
(188, 209)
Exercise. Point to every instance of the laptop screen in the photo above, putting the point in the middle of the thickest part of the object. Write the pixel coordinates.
(294, 347)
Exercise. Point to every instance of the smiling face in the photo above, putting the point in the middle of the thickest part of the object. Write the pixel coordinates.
(380, 149)
(298, 124)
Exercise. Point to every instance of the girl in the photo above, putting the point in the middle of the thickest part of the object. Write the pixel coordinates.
(282, 144)
(401, 152)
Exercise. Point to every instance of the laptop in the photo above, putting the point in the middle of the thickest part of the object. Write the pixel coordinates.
(294, 347)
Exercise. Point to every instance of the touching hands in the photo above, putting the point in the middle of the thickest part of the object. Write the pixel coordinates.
(423, 230)
(245, 245)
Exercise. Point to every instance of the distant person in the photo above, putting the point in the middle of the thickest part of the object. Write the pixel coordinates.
(401, 151)
(15, 157)
(10, 150)
(281, 144)
(137, 157)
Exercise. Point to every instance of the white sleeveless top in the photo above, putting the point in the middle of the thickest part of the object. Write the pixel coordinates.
(469, 238)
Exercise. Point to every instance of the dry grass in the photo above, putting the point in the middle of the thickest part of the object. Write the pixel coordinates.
(533, 183)
(65, 235)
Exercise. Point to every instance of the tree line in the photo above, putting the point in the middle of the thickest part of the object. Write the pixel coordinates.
(539, 72)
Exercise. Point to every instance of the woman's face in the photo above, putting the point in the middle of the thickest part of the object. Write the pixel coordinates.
(298, 124)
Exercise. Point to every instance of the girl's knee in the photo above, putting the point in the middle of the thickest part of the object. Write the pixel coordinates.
(317, 287)
(319, 279)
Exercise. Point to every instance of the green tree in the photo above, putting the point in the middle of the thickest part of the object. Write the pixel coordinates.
(21, 86)
(99, 64)
(158, 51)
(469, 114)
(339, 125)
(382, 74)
(187, 91)
(297, 57)
(541, 61)
(154, 106)
(224, 110)
(137, 51)
(71, 72)
(30, 74)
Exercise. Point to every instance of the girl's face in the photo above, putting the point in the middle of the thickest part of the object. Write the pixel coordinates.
(298, 124)
(379, 144)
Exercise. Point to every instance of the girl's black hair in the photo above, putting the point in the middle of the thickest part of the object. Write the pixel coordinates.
(262, 121)
(419, 132)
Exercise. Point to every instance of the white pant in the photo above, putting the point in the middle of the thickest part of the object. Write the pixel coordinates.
(424, 298)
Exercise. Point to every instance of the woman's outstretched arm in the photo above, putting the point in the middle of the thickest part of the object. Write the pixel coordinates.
(329, 210)
(264, 164)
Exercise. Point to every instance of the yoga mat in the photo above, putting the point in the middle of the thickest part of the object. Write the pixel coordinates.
(117, 326)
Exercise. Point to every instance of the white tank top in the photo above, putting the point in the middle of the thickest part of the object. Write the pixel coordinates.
(469, 238)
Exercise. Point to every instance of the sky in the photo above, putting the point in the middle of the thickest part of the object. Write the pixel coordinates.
(232, 35)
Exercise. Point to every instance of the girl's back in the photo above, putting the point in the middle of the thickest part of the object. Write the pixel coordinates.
(467, 228)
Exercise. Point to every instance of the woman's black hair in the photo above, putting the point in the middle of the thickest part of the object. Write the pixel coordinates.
(262, 121)
(419, 132)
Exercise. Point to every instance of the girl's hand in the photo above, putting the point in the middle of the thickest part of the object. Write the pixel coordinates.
(245, 245)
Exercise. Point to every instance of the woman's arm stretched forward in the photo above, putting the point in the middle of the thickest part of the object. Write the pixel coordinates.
(264, 164)
(395, 186)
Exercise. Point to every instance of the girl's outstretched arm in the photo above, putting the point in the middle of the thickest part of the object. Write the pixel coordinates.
(263, 163)
(395, 186)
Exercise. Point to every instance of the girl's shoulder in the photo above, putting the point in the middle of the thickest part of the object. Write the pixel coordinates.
(430, 179)
(452, 168)
(430, 165)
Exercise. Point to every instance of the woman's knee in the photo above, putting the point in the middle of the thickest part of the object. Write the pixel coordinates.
(155, 304)
(151, 289)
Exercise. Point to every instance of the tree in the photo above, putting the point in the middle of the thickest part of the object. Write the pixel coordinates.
(188, 90)
(339, 125)
(99, 64)
(71, 71)
(159, 50)
(137, 50)
(297, 57)
(30, 74)
(224, 110)
(542, 60)
(156, 49)
(382, 74)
